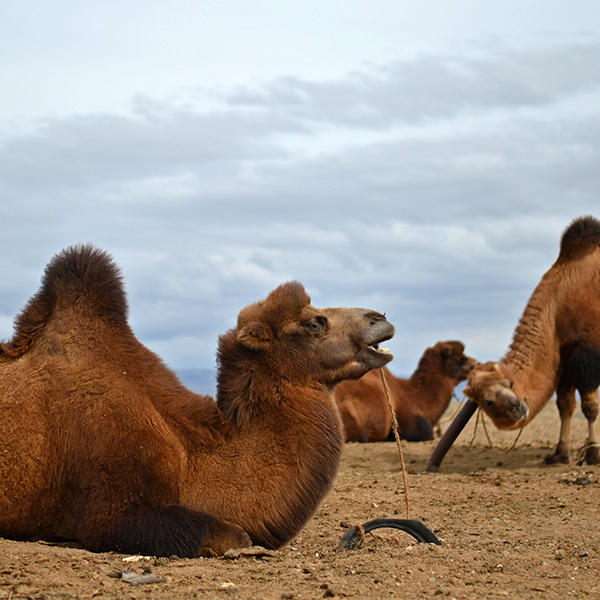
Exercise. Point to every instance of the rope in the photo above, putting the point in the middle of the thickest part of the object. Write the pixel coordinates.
(454, 413)
(397, 436)
(360, 532)
(488, 435)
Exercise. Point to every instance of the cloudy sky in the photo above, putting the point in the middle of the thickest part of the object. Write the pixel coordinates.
(418, 158)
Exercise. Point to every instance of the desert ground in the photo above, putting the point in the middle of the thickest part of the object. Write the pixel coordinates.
(510, 527)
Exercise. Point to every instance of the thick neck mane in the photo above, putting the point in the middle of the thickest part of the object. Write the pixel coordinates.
(80, 276)
(531, 335)
(536, 326)
(427, 368)
(304, 451)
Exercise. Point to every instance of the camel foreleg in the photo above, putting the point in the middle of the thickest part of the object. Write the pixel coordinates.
(565, 401)
(163, 531)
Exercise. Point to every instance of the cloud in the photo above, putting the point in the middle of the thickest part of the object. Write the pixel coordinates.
(433, 189)
(434, 87)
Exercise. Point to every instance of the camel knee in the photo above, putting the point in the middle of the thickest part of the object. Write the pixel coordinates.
(419, 430)
(566, 403)
(590, 405)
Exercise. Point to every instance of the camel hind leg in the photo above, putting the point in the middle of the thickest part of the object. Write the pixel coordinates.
(583, 372)
(163, 531)
(590, 403)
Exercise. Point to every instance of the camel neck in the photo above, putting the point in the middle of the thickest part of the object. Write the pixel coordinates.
(280, 459)
(534, 355)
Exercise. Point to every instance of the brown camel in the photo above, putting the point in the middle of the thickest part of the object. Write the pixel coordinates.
(101, 443)
(418, 402)
(556, 347)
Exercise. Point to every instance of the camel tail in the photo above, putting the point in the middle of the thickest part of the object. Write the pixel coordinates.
(81, 279)
(581, 236)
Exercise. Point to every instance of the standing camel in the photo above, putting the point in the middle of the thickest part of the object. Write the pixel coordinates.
(555, 348)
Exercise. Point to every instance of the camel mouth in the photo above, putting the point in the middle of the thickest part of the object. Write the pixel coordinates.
(369, 351)
(378, 349)
(382, 355)
(519, 412)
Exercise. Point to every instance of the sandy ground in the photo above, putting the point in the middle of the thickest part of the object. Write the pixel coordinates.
(510, 527)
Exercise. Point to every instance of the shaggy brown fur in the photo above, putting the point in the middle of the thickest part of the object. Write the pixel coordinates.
(101, 443)
(418, 402)
(556, 347)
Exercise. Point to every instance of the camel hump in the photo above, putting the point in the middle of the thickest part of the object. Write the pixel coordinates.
(80, 279)
(581, 236)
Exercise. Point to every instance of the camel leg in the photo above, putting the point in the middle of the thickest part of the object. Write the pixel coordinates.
(565, 401)
(590, 402)
(163, 531)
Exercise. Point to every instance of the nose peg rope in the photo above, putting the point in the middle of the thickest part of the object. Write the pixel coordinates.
(397, 436)
(488, 435)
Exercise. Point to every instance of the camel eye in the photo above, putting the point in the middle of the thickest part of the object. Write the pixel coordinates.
(317, 324)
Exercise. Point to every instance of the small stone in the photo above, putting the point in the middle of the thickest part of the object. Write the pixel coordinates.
(227, 585)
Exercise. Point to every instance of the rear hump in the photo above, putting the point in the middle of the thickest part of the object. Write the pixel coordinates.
(580, 237)
(80, 277)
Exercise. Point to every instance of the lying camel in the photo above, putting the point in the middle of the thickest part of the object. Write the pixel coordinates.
(418, 402)
(556, 347)
(101, 443)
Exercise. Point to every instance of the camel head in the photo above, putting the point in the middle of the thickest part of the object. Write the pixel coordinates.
(456, 363)
(491, 387)
(291, 338)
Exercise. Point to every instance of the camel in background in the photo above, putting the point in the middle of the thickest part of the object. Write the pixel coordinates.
(555, 348)
(101, 443)
(418, 402)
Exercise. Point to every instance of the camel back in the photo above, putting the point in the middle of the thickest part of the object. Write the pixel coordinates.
(79, 278)
(531, 336)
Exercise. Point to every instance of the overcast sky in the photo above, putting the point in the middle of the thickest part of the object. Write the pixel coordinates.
(418, 158)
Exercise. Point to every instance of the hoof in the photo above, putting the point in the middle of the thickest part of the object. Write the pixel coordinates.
(591, 457)
(557, 458)
(354, 537)
(224, 536)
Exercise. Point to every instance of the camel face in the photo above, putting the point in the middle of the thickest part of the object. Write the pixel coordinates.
(456, 363)
(490, 386)
(302, 342)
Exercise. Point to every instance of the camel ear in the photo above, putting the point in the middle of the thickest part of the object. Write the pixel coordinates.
(469, 392)
(446, 351)
(255, 335)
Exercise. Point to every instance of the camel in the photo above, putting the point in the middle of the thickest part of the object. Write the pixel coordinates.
(418, 402)
(101, 443)
(555, 348)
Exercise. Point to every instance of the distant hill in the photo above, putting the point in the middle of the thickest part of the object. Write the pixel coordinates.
(201, 381)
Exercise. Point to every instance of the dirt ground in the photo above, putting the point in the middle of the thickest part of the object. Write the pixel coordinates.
(510, 527)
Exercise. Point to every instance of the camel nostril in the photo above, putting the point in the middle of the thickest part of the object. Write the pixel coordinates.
(375, 317)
